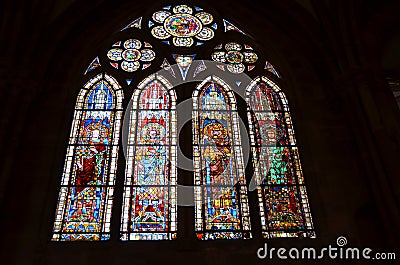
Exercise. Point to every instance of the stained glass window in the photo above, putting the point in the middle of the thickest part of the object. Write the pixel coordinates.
(149, 210)
(137, 23)
(270, 68)
(221, 205)
(87, 185)
(282, 195)
(229, 26)
(236, 56)
(93, 65)
(149, 203)
(182, 23)
(131, 54)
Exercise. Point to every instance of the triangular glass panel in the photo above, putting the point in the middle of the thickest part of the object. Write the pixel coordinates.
(269, 67)
(115, 65)
(229, 26)
(184, 62)
(137, 23)
(93, 65)
(167, 7)
(117, 44)
(167, 67)
(128, 81)
(214, 26)
(221, 67)
(147, 65)
(151, 24)
(250, 67)
(198, 8)
(238, 83)
(200, 68)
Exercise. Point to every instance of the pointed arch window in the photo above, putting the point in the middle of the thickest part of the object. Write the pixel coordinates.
(221, 205)
(282, 195)
(149, 204)
(87, 185)
(149, 208)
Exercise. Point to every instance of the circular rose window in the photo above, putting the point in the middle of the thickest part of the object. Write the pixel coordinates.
(130, 55)
(185, 25)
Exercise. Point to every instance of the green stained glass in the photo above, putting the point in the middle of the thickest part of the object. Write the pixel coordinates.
(283, 202)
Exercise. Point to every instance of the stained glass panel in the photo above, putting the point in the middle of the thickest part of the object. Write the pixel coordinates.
(93, 65)
(221, 206)
(283, 201)
(87, 186)
(229, 26)
(149, 204)
(270, 68)
(183, 25)
(130, 55)
(233, 55)
(137, 23)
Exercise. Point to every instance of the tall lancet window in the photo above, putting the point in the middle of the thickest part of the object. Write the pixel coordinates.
(149, 203)
(87, 186)
(221, 205)
(283, 201)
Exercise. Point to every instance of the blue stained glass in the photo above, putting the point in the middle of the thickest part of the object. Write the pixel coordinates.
(100, 97)
(85, 199)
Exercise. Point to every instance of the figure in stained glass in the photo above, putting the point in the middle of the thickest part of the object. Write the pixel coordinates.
(220, 192)
(85, 200)
(150, 182)
(282, 195)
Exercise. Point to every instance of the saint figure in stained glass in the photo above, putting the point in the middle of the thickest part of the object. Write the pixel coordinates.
(149, 209)
(87, 186)
(221, 205)
(282, 195)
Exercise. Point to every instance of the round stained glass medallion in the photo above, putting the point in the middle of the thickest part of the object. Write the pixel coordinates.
(205, 34)
(160, 33)
(131, 55)
(153, 133)
(236, 68)
(130, 66)
(132, 44)
(250, 57)
(232, 54)
(115, 54)
(206, 18)
(233, 46)
(160, 16)
(234, 57)
(182, 42)
(183, 9)
(218, 56)
(147, 55)
(182, 25)
(126, 55)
